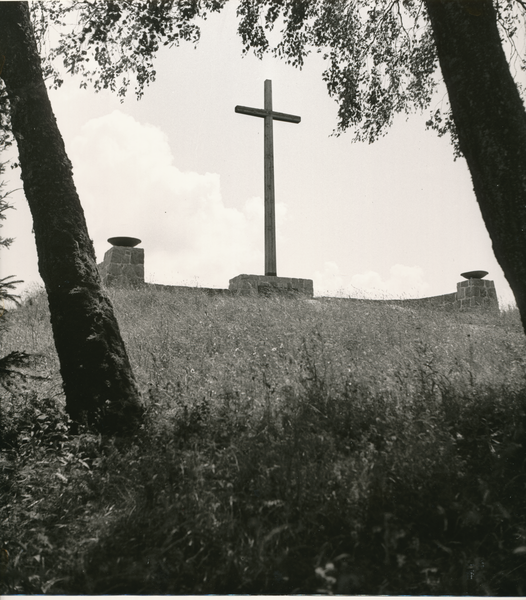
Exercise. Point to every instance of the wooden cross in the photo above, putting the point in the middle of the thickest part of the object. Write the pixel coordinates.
(270, 213)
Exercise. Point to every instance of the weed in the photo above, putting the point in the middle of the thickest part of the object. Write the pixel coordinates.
(288, 447)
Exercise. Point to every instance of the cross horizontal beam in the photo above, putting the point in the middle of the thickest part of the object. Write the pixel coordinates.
(261, 112)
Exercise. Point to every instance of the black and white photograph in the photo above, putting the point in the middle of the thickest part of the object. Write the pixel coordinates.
(263, 297)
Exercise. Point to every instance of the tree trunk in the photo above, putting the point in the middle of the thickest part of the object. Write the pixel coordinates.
(99, 385)
(491, 122)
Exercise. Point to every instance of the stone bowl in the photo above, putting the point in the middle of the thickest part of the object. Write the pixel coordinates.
(474, 274)
(128, 242)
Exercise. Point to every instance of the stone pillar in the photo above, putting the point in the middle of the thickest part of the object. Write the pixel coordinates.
(123, 264)
(476, 292)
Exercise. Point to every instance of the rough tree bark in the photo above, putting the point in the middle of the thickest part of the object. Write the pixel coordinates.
(491, 123)
(99, 385)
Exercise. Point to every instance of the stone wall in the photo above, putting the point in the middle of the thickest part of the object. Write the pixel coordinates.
(448, 301)
(123, 265)
(471, 294)
(187, 289)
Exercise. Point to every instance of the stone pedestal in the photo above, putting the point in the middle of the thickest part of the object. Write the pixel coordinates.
(123, 265)
(477, 292)
(268, 285)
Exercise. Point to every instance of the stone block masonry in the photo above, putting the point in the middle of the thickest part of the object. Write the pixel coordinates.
(477, 292)
(270, 284)
(123, 265)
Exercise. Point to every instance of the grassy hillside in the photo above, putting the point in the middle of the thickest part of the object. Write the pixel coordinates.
(290, 446)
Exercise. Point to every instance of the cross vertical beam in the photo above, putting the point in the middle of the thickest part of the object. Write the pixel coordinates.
(270, 203)
(270, 195)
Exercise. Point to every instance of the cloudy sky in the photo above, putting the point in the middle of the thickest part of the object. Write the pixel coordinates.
(183, 172)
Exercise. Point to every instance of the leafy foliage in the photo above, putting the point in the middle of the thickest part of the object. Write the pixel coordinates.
(7, 284)
(109, 42)
(289, 447)
(380, 57)
(4, 204)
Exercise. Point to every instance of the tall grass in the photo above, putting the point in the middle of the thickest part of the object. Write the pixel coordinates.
(289, 446)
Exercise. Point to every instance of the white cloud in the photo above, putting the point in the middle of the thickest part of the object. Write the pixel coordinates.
(403, 282)
(329, 282)
(129, 185)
